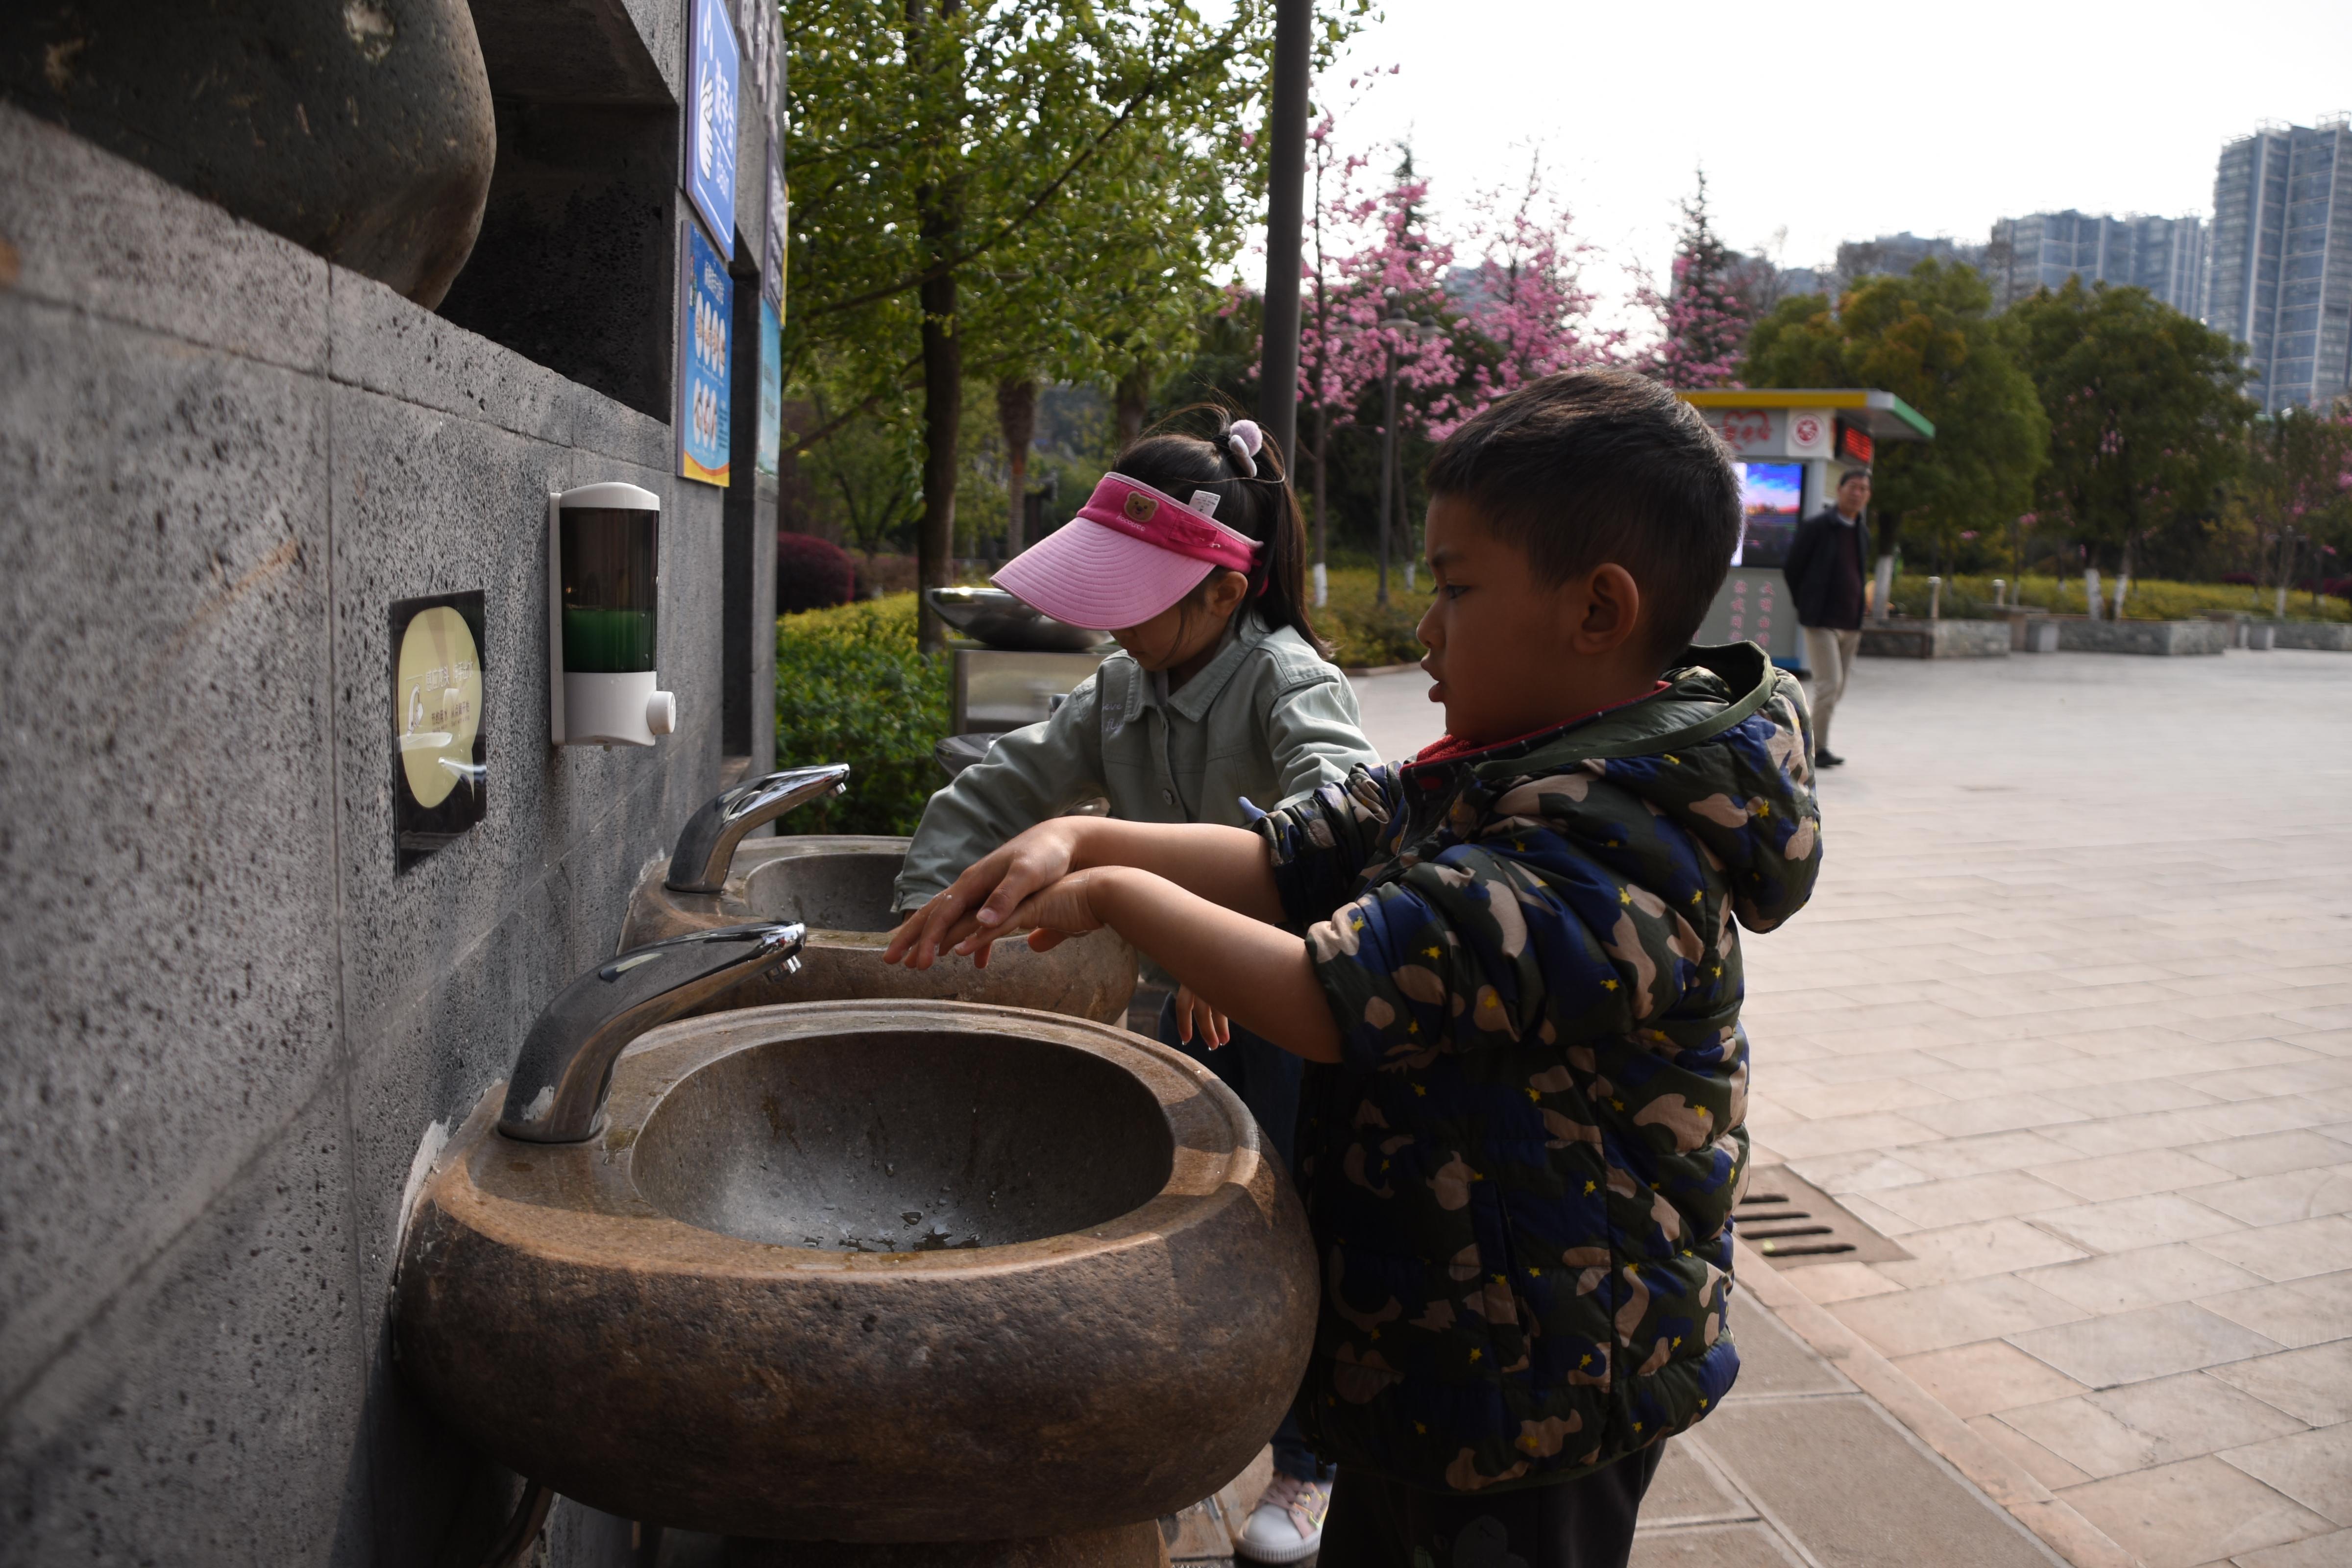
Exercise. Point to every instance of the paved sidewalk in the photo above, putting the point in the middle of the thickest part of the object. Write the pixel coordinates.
(1801, 1468)
(2071, 1019)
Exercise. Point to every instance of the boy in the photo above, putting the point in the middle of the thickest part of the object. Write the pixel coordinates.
(1521, 974)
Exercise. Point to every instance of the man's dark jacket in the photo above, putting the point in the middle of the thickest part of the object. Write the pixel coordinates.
(1818, 570)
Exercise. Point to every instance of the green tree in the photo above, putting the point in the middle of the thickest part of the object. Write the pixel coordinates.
(1931, 339)
(1006, 192)
(2147, 421)
(2296, 490)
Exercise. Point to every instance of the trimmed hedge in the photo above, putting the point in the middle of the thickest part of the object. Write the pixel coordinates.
(851, 688)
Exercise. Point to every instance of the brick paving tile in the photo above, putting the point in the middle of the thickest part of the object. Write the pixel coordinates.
(1865, 1171)
(2199, 1511)
(2301, 1312)
(2269, 1154)
(2123, 1224)
(1825, 1282)
(1997, 1195)
(2040, 1463)
(2293, 1251)
(2156, 1171)
(1987, 1377)
(1973, 1251)
(2148, 1423)
(2314, 1468)
(2149, 1276)
(2312, 1192)
(1940, 1316)
(2313, 1385)
(2131, 1347)
(1841, 1135)
(1988, 1152)
(1999, 1113)
(2311, 1551)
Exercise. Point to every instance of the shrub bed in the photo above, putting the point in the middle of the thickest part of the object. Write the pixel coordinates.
(2146, 600)
(851, 686)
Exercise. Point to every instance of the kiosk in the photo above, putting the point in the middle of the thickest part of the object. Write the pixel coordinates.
(1793, 446)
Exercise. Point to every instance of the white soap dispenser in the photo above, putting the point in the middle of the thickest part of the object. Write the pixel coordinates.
(604, 577)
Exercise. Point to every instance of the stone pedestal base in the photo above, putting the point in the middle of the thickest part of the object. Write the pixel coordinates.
(1127, 1546)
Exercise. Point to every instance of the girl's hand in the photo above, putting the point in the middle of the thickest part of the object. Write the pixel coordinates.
(1063, 909)
(988, 892)
(1192, 1014)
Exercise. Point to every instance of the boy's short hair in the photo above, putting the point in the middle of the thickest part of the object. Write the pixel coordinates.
(1851, 475)
(1591, 466)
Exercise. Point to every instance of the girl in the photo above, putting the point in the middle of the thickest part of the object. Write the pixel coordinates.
(1221, 696)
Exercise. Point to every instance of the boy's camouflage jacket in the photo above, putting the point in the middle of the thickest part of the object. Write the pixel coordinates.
(1521, 1177)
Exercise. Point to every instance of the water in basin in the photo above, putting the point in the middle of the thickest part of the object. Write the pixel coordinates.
(904, 1142)
(846, 890)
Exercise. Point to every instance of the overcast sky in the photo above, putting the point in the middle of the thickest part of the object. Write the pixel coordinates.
(1840, 121)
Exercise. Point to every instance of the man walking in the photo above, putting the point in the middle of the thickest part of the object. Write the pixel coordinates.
(1827, 564)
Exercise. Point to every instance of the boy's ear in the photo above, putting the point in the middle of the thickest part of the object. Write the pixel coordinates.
(1606, 607)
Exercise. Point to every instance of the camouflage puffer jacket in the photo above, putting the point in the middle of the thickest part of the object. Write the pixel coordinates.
(1521, 1175)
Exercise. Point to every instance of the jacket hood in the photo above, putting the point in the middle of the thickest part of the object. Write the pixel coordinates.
(1726, 751)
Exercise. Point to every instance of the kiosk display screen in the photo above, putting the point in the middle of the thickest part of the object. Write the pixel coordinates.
(1770, 494)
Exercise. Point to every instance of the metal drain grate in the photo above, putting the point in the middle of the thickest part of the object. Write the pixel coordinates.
(1792, 1222)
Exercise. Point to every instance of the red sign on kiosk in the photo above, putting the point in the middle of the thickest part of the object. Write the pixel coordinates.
(1853, 444)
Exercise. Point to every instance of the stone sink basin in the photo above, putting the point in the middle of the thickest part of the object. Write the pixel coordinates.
(840, 888)
(912, 1271)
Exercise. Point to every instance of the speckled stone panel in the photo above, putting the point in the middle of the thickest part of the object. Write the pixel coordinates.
(228, 1023)
(166, 843)
(210, 1412)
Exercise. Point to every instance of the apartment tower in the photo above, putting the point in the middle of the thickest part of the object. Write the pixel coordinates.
(2282, 276)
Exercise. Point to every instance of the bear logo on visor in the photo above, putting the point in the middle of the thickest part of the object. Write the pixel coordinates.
(1140, 508)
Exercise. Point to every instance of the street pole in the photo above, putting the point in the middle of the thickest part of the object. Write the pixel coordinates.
(1388, 463)
(1286, 195)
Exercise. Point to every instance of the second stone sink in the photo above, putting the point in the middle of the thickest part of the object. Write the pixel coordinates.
(840, 888)
(906, 1272)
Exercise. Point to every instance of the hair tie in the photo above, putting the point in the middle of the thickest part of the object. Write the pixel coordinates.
(1245, 440)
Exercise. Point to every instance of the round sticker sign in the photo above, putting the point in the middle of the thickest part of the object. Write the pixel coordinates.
(439, 688)
(1808, 432)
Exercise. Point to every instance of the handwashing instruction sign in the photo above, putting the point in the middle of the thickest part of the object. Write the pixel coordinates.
(711, 83)
(705, 319)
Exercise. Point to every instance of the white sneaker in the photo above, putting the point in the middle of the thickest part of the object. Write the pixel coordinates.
(1287, 1522)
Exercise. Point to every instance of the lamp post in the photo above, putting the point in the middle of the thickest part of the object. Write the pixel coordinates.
(1286, 195)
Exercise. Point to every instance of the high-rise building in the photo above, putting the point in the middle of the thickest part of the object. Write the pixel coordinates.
(1899, 253)
(2164, 256)
(2283, 259)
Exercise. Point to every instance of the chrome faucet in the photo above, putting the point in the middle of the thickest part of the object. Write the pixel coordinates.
(705, 845)
(556, 1094)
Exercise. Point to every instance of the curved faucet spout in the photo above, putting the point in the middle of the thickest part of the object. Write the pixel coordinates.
(705, 845)
(557, 1091)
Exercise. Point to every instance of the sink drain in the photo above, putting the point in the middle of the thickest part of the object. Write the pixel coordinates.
(1792, 1222)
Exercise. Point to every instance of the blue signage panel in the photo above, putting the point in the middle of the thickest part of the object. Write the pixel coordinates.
(771, 385)
(706, 318)
(714, 67)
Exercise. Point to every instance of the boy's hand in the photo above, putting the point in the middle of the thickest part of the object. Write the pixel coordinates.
(987, 893)
(1192, 1014)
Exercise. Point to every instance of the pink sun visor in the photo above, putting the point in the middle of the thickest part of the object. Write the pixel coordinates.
(1131, 552)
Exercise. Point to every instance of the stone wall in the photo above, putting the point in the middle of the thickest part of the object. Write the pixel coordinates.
(2078, 633)
(1937, 639)
(228, 1025)
(2331, 636)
